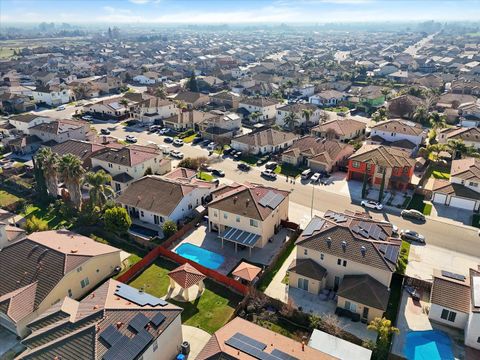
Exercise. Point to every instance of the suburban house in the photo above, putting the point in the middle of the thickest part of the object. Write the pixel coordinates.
(44, 268)
(153, 109)
(113, 108)
(15, 103)
(352, 255)
(9, 233)
(240, 339)
(154, 200)
(150, 328)
(83, 149)
(263, 142)
(265, 109)
(404, 106)
(25, 144)
(25, 121)
(130, 163)
(147, 78)
(368, 98)
(470, 136)
(225, 99)
(327, 98)
(184, 120)
(193, 100)
(376, 161)
(224, 125)
(53, 96)
(455, 302)
(462, 190)
(397, 133)
(317, 154)
(300, 110)
(248, 214)
(60, 130)
(343, 130)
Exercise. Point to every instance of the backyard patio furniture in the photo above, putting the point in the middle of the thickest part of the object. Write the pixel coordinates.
(355, 317)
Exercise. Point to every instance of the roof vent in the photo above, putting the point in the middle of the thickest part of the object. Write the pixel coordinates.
(344, 246)
(363, 250)
(248, 202)
(73, 251)
(235, 198)
(329, 242)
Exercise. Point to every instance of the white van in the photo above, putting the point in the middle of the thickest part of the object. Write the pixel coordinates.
(165, 149)
(306, 174)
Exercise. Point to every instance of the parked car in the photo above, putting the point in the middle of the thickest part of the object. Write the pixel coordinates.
(413, 214)
(263, 160)
(176, 154)
(271, 165)
(306, 174)
(168, 140)
(197, 140)
(162, 131)
(61, 107)
(104, 131)
(371, 204)
(205, 142)
(206, 167)
(131, 138)
(87, 118)
(243, 167)
(218, 173)
(237, 155)
(154, 128)
(178, 142)
(211, 146)
(228, 151)
(315, 177)
(412, 235)
(269, 174)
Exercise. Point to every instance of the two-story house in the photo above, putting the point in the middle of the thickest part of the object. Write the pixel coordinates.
(149, 327)
(455, 302)
(193, 100)
(263, 142)
(397, 133)
(327, 98)
(469, 135)
(117, 108)
(223, 125)
(25, 121)
(225, 99)
(265, 109)
(343, 130)
(60, 131)
(44, 268)
(350, 254)
(155, 200)
(130, 163)
(53, 96)
(305, 114)
(153, 109)
(377, 161)
(247, 214)
(463, 188)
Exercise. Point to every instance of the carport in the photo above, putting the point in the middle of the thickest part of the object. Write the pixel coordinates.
(241, 237)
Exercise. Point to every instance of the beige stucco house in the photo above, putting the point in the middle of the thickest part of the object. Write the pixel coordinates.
(46, 267)
(350, 254)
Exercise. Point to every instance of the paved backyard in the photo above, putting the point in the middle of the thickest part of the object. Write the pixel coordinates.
(197, 338)
(210, 241)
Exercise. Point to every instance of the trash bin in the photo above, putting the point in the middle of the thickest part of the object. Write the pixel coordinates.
(185, 348)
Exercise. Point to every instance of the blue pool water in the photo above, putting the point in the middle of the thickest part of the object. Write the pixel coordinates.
(201, 256)
(428, 345)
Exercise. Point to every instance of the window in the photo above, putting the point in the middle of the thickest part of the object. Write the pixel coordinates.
(474, 184)
(339, 262)
(355, 164)
(215, 214)
(156, 220)
(141, 213)
(406, 169)
(225, 215)
(238, 218)
(380, 169)
(369, 167)
(448, 315)
(110, 165)
(344, 263)
(305, 252)
(70, 294)
(478, 339)
(322, 256)
(79, 269)
(84, 283)
(155, 346)
(253, 223)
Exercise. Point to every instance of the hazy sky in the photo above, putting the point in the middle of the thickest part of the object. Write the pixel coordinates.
(235, 11)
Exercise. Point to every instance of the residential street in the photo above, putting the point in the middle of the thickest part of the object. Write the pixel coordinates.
(447, 235)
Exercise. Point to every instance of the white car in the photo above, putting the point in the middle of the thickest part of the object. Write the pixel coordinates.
(178, 142)
(269, 174)
(371, 204)
(61, 107)
(315, 177)
(162, 131)
(87, 118)
(131, 138)
(176, 154)
(211, 146)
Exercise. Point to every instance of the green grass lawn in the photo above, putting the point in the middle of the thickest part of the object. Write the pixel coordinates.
(128, 263)
(337, 109)
(418, 203)
(288, 170)
(54, 220)
(205, 176)
(7, 199)
(437, 174)
(403, 258)
(210, 312)
(269, 275)
(189, 139)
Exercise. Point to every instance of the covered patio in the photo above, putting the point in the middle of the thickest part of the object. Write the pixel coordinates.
(237, 236)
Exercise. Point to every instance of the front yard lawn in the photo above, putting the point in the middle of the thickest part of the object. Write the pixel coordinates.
(437, 174)
(418, 203)
(205, 176)
(7, 199)
(210, 312)
(288, 170)
(403, 258)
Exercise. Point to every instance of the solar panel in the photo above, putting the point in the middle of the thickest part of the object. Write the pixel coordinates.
(138, 297)
(267, 198)
(250, 341)
(392, 253)
(158, 319)
(139, 322)
(277, 199)
(281, 355)
(363, 233)
(249, 350)
(453, 275)
(356, 229)
(314, 225)
(383, 248)
(138, 343)
(111, 335)
(382, 237)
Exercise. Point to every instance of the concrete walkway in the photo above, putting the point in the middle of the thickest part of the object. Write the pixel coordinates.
(277, 289)
(197, 338)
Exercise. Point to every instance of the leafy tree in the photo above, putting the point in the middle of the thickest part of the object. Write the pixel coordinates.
(169, 228)
(421, 115)
(384, 328)
(47, 161)
(40, 183)
(124, 102)
(254, 116)
(161, 92)
(100, 189)
(33, 224)
(457, 148)
(117, 220)
(290, 120)
(192, 84)
(437, 121)
(192, 163)
(71, 170)
(380, 115)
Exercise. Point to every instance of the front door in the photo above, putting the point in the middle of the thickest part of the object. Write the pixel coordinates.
(365, 312)
(303, 284)
(336, 283)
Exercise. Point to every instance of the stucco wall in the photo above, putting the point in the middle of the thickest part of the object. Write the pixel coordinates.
(372, 312)
(436, 312)
(472, 331)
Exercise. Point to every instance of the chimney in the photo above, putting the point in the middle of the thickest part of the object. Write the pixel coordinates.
(329, 242)
(344, 246)
(363, 250)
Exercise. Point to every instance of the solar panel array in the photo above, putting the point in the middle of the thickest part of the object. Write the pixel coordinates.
(138, 297)
(255, 348)
(158, 319)
(271, 199)
(369, 230)
(139, 322)
(453, 275)
(130, 348)
(314, 225)
(391, 253)
(112, 336)
(338, 218)
(241, 237)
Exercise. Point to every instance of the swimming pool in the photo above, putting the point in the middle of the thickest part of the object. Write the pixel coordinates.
(202, 256)
(428, 345)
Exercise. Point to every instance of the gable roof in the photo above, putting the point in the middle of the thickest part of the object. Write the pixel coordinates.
(466, 134)
(83, 149)
(312, 147)
(466, 169)
(399, 127)
(450, 293)
(341, 127)
(258, 102)
(266, 137)
(383, 156)
(126, 156)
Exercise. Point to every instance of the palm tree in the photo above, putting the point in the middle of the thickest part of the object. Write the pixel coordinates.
(100, 190)
(290, 120)
(456, 147)
(437, 121)
(161, 92)
(420, 115)
(386, 92)
(47, 161)
(307, 113)
(254, 116)
(71, 171)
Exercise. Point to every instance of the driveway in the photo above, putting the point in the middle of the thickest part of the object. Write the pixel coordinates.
(197, 338)
(456, 214)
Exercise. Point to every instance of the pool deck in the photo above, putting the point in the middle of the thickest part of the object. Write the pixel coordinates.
(210, 241)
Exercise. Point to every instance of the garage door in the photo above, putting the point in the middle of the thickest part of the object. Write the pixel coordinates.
(439, 198)
(462, 203)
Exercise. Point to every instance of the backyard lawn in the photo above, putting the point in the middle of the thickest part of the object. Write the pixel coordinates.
(7, 199)
(210, 312)
(54, 219)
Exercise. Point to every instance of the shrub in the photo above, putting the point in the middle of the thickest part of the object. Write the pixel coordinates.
(34, 224)
(192, 163)
(117, 220)
(169, 228)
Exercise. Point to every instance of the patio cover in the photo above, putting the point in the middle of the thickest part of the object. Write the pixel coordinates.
(246, 271)
(241, 237)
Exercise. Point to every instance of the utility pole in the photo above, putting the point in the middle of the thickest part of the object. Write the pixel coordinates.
(311, 206)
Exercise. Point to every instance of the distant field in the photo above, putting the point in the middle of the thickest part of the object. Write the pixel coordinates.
(474, 34)
(8, 46)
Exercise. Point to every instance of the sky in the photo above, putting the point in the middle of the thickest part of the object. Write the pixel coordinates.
(235, 11)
